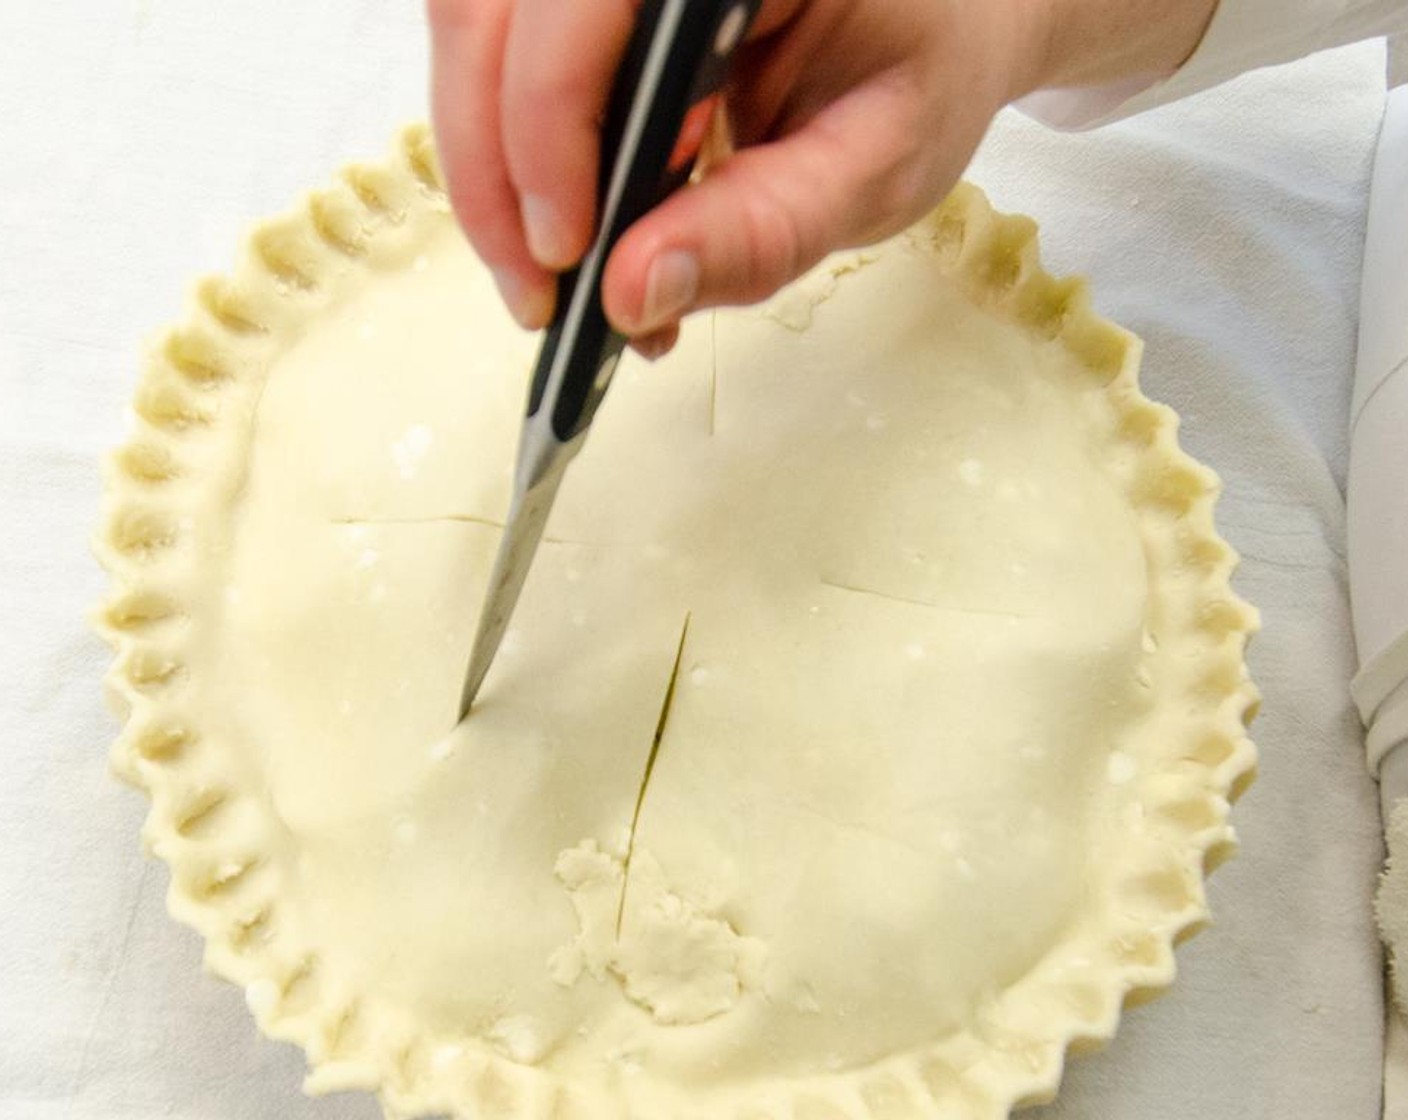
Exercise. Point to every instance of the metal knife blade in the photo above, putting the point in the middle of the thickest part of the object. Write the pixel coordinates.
(541, 468)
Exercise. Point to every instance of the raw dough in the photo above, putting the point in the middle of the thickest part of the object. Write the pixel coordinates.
(957, 714)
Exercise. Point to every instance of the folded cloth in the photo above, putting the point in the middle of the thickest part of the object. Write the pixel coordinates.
(1378, 473)
(1378, 546)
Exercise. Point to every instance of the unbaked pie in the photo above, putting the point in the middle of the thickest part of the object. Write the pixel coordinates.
(865, 731)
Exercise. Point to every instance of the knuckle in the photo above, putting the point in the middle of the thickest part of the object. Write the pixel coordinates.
(773, 247)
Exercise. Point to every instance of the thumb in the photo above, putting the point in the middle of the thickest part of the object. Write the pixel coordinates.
(851, 175)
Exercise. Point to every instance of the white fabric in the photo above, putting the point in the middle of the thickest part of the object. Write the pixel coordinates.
(1378, 508)
(1243, 35)
(1381, 686)
(140, 138)
(1378, 488)
(1396, 1069)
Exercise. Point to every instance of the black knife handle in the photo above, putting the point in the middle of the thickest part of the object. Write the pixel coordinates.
(664, 94)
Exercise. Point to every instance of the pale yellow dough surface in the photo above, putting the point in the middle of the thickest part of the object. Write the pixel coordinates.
(952, 652)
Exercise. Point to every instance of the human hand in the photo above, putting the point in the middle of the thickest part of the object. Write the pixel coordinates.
(852, 118)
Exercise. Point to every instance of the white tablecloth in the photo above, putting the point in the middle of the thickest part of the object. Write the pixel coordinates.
(138, 138)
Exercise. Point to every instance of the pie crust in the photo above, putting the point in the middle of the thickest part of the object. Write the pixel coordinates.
(869, 724)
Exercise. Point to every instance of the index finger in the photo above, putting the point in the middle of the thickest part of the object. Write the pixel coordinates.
(559, 64)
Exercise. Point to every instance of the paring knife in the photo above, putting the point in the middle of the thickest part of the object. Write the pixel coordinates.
(659, 111)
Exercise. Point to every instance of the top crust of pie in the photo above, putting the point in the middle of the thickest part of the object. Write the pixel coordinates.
(867, 728)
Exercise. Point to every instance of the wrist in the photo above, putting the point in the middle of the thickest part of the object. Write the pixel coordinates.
(1071, 43)
(1029, 27)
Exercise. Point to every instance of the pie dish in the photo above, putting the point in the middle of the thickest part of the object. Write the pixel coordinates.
(866, 730)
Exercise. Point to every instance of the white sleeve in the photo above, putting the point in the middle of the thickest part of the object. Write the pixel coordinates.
(1243, 35)
(1378, 459)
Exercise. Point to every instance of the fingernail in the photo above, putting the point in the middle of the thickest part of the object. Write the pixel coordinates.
(671, 286)
(530, 306)
(547, 236)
